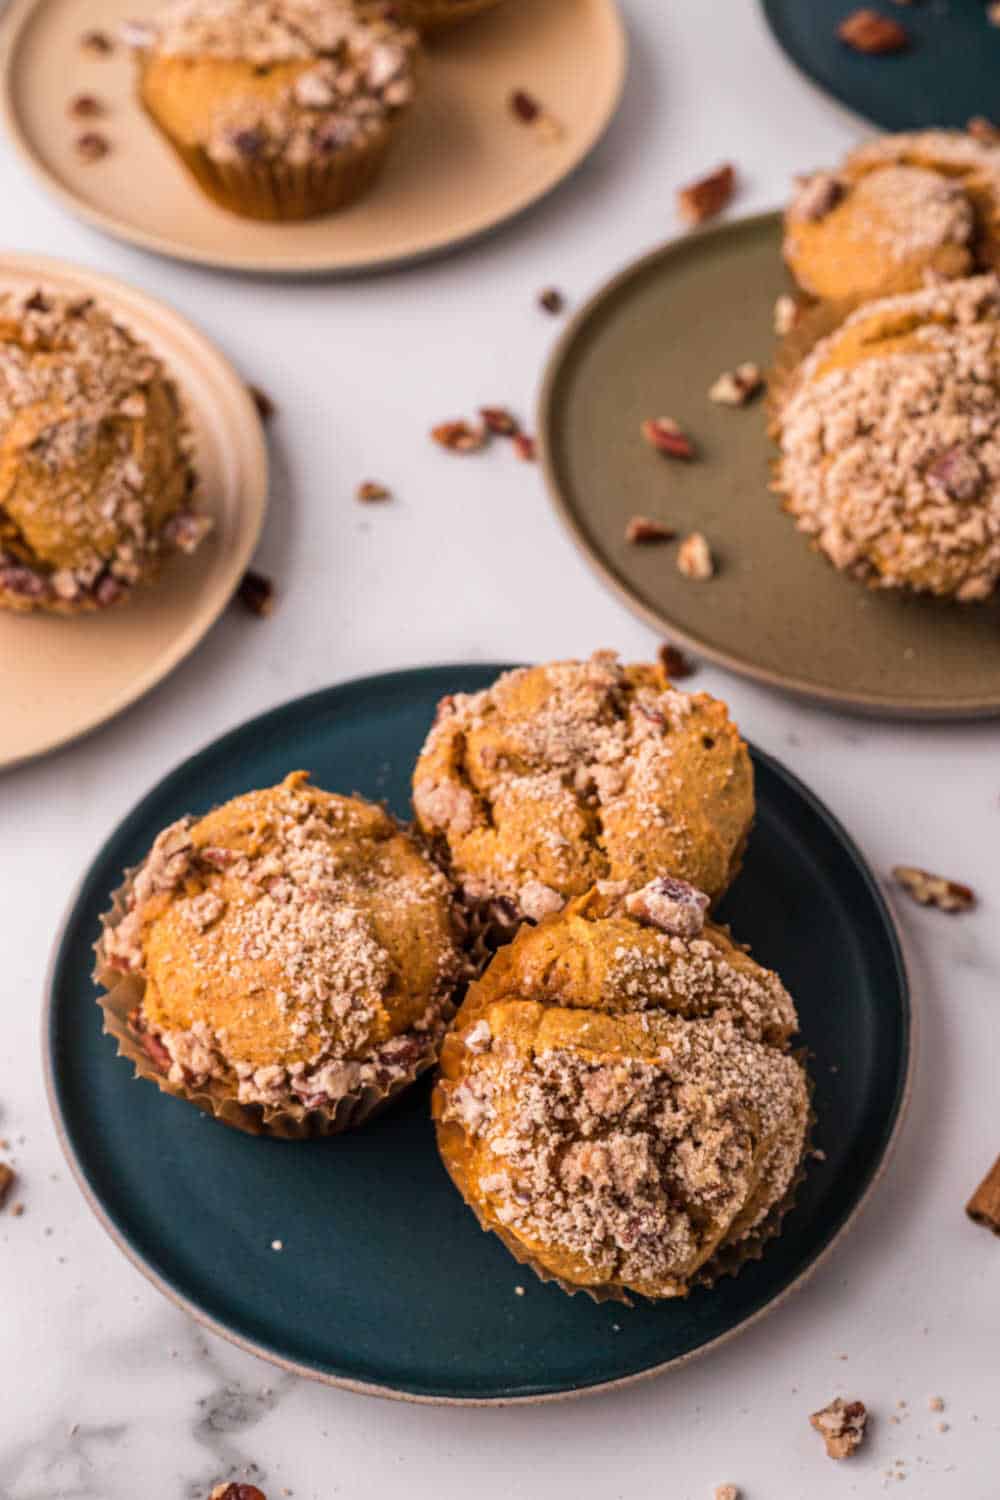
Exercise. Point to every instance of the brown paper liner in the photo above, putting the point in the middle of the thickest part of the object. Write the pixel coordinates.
(436, 15)
(120, 996)
(815, 324)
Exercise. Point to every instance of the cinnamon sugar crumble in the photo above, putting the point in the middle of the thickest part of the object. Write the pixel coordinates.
(842, 1426)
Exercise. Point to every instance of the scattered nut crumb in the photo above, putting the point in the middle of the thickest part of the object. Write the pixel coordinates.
(92, 146)
(525, 447)
(842, 1426)
(256, 593)
(519, 1291)
(707, 196)
(97, 43)
(786, 314)
(234, 1491)
(935, 1403)
(524, 106)
(984, 1205)
(694, 558)
(8, 1177)
(666, 436)
(85, 107)
(370, 490)
(277, 1244)
(551, 300)
(265, 406)
(499, 421)
(982, 129)
(942, 1426)
(17, 1210)
(737, 387)
(866, 31)
(675, 664)
(726, 1492)
(641, 530)
(934, 890)
(459, 436)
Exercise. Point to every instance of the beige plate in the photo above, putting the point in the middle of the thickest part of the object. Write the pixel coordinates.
(462, 165)
(60, 677)
(650, 344)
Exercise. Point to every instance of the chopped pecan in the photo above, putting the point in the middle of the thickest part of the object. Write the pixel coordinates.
(707, 196)
(17, 578)
(787, 313)
(551, 300)
(97, 43)
(984, 1208)
(265, 406)
(982, 129)
(865, 30)
(92, 146)
(236, 1491)
(726, 1492)
(817, 195)
(8, 1177)
(537, 900)
(664, 434)
(642, 530)
(149, 1042)
(499, 421)
(934, 890)
(85, 107)
(737, 387)
(675, 664)
(217, 857)
(672, 905)
(525, 447)
(186, 530)
(524, 106)
(256, 593)
(694, 558)
(842, 1426)
(370, 490)
(109, 590)
(459, 436)
(958, 472)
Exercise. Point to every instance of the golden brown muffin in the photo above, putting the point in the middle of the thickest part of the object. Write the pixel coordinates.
(292, 953)
(616, 1100)
(901, 208)
(281, 109)
(890, 442)
(96, 480)
(562, 775)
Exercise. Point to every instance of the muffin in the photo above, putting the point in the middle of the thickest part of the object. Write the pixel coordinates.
(890, 442)
(900, 209)
(281, 109)
(96, 478)
(431, 15)
(616, 1099)
(562, 775)
(287, 962)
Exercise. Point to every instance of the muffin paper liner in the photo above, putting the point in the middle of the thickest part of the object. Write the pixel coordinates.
(816, 323)
(435, 15)
(120, 996)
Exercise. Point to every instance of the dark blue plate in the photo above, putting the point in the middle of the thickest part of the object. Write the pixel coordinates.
(948, 74)
(385, 1281)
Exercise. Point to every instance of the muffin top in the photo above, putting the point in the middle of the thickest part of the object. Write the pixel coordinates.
(617, 1131)
(293, 941)
(562, 775)
(95, 472)
(251, 80)
(890, 441)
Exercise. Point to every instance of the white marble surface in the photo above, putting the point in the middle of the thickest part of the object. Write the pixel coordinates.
(106, 1391)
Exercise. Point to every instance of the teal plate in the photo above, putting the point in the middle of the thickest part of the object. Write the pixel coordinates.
(386, 1283)
(948, 74)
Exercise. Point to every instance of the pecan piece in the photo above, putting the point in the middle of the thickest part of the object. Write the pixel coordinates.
(459, 436)
(664, 434)
(694, 558)
(551, 300)
(707, 196)
(237, 1491)
(525, 447)
(737, 387)
(256, 593)
(524, 106)
(674, 663)
(670, 904)
(958, 473)
(17, 578)
(934, 890)
(726, 1492)
(8, 1177)
(85, 107)
(92, 146)
(265, 406)
(841, 1425)
(642, 530)
(97, 43)
(982, 129)
(370, 490)
(984, 1208)
(865, 30)
(817, 195)
(499, 421)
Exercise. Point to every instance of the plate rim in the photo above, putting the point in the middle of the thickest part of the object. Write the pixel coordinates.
(254, 496)
(874, 705)
(291, 707)
(13, 24)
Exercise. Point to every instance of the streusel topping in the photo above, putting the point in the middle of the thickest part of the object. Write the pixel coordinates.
(905, 210)
(890, 441)
(263, 32)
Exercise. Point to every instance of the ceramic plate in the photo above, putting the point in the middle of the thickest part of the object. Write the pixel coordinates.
(386, 1283)
(60, 678)
(463, 165)
(946, 75)
(650, 344)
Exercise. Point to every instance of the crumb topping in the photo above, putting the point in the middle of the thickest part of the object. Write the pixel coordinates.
(892, 460)
(905, 210)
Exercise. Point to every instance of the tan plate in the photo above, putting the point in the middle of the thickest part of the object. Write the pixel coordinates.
(650, 344)
(462, 165)
(60, 677)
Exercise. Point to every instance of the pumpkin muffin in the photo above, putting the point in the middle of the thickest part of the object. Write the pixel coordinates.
(900, 209)
(287, 962)
(616, 1098)
(562, 775)
(890, 442)
(281, 109)
(96, 479)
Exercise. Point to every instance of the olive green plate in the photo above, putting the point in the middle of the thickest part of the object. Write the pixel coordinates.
(650, 344)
